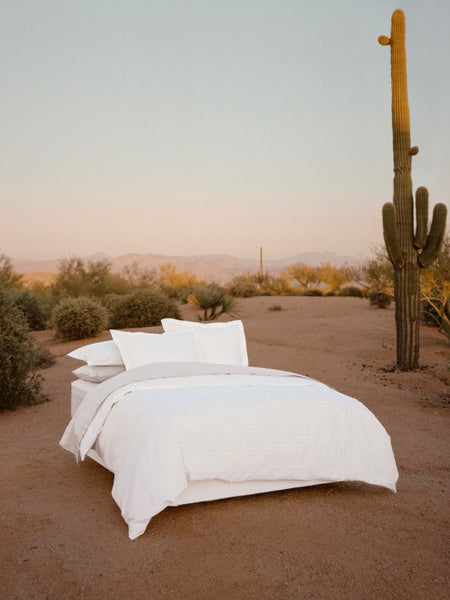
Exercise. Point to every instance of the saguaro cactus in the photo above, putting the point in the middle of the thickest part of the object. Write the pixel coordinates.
(409, 252)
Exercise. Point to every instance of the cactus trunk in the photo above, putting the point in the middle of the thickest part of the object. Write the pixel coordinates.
(408, 251)
(406, 279)
(407, 316)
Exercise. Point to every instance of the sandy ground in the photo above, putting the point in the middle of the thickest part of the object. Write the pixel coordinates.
(62, 535)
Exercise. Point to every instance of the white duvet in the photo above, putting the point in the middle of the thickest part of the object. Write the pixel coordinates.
(159, 427)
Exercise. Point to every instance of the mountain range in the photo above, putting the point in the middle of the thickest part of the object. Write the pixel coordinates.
(218, 267)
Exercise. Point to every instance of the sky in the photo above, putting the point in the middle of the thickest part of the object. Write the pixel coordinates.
(183, 127)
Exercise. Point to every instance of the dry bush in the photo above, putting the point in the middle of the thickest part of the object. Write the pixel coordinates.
(77, 277)
(35, 312)
(78, 318)
(142, 308)
(20, 384)
(435, 291)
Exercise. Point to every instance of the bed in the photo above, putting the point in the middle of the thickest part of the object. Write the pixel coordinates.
(180, 417)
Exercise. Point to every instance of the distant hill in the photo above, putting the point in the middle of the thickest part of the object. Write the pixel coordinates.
(218, 267)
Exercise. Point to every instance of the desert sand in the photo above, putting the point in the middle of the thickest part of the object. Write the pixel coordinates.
(62, 535)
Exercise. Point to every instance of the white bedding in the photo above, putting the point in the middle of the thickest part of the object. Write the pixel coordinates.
(169, 424)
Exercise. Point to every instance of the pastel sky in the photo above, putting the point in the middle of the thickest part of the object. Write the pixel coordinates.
(206, 126)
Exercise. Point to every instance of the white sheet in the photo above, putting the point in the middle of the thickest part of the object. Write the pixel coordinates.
(158, 435)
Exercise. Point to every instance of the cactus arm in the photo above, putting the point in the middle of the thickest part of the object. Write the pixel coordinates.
(421, 217)
(391, 236)
(435, 237)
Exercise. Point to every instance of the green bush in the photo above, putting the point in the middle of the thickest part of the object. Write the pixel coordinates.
(353, 291)
(32, 309)
(435, 313)
(143, 308)
(177, 294)
(430, 313)
(214, 300)
(78, 278)
(380, 299)
(243, 288)
(19, 382)
(8, 277)
(77, 318)
(110, 301)
(44, 358)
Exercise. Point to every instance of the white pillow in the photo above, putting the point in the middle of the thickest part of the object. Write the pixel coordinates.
(143, 348)
(99, 354)
(220, 343)
(97, 374)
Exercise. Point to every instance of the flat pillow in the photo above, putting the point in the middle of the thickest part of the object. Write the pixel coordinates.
(104, 354)
(143, 348)
(97, 374)
(220, 343)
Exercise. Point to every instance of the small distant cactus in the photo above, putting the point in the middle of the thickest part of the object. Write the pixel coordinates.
(409, 252)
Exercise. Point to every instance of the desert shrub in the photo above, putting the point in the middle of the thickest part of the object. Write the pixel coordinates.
(378, 273)
(139, 277)
(33, 310)
(351, 290)
(436, 310)
(8, 277)
(177, 294)
(110, 301)
(77, 318)
(275, 307)
(334, 278)
(88, 278)
(20, 384)
(244, 286)
(435, 291)
(302, 276)
(278, 286)
(313, 292)
(431, 312)
(380, 299)
(243, 289)
(48, 297)
(178, 285)
(44, 358)
(214, 300)
(142, 308)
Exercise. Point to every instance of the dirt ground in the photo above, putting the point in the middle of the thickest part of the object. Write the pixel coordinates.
(62, 536)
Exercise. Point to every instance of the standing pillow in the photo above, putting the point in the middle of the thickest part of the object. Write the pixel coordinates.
(105, 354)
(143, 348)
(220, 343)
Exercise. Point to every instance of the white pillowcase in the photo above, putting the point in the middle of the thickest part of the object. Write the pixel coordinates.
(97, 374)
(220, 343)
(143, 348)
(99, 354)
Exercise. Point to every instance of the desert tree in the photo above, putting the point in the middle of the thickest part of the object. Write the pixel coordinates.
(304, 276)
(77, 277)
